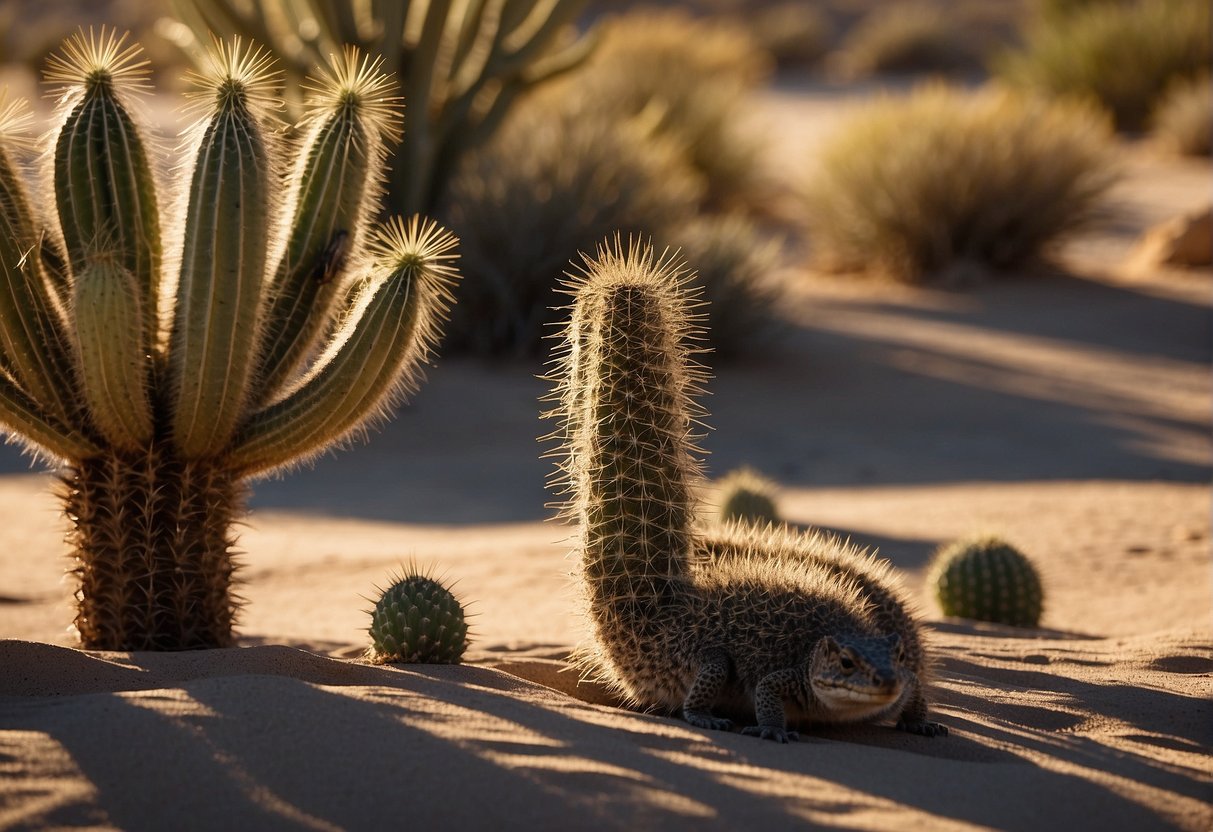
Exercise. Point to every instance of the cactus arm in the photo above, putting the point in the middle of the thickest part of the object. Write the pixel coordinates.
(114, 366)
(215, 327)
(22, 417)
(388, 330)
(333, 189)
(107, 197)
(31, 336)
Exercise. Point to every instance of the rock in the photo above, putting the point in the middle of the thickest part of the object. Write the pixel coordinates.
(1185, 241)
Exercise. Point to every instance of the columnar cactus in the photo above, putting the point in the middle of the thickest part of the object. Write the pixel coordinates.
(168, 356)
(746, 496)
(417, 619)
(463, 64)
(987, 579)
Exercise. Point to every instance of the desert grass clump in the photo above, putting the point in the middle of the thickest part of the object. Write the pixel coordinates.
(1122, 56)
(793, 33)
(552, 184)
(689, 80)
(912, 187)
(417, 619)
(165, 356)
(905, 38)
(1183, 120)
(745, 496)
(735, 267)
(987, 579)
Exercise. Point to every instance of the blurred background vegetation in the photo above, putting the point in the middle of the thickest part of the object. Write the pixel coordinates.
(536, 128)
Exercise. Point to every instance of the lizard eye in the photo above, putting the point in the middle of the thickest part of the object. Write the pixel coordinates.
(846, 664)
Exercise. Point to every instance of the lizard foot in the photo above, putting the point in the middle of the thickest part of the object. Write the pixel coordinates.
(923, 727)
(706, 720)
(768, 732)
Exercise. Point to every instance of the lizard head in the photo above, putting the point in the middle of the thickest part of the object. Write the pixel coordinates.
(857, 676)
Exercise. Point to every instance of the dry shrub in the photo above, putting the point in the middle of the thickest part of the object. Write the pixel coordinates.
(735, 264)
(908, 37)
(793, 33)
(1183, 120)
(1122, 55)
(551, 184)
(686, 77)
(945, 178)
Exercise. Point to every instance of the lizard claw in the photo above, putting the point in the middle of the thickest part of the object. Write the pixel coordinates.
(923, 727)
(769, 732)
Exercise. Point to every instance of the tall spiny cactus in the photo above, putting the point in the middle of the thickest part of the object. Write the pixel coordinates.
(626, 388)
(167, 357)
(464, 63)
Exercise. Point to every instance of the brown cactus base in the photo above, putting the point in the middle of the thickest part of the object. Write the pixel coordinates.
(152, 539)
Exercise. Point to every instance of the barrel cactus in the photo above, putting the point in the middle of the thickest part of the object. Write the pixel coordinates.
(417, 619)
(987, 579)
(746, 496)
(163, 357)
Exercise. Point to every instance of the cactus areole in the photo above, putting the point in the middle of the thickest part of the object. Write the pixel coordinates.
(163, 357)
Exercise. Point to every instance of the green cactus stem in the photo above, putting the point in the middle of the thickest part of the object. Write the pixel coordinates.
(987, 579)
(158, 421)
(417, 619)
(746, 496)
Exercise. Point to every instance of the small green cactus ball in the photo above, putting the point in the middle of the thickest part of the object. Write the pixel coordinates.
(417, 619)
(746, 496)
(987, 579)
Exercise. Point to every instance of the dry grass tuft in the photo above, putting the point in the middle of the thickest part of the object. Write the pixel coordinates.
(912, 187)
(552, 184)
(1183, 120)
(1123, 55)
(735, 264)
(689, 79)
(793, 33)
(908, 37)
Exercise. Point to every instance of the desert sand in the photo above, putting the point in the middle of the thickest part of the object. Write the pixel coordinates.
(1069, 413)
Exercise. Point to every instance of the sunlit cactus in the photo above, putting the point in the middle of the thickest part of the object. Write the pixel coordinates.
(164, 357)
(987, 579)
(746, 496)
(417, 619)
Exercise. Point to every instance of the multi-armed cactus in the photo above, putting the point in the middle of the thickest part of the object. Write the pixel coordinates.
(168, 356)
(463, 63)
(800, 625)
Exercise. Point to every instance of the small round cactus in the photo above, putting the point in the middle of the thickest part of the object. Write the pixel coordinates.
(417, 619)
(746, 496)
(987, 579)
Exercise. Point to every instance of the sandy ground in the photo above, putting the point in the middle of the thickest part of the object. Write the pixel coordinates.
(1070, 414)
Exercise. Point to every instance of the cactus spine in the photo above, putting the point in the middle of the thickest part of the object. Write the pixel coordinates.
(161, 420)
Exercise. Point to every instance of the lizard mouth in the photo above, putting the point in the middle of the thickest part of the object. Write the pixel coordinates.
(855, 695)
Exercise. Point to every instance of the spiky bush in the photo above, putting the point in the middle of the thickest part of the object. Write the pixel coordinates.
(417, 619)
(1183, 120)
(462, 65)
(166, 356)
(908, 37)
(689, 79)
(987, 579)
(552, 184)
(909, 187)
(1123, 56)
(745, 495)
(735, 265)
